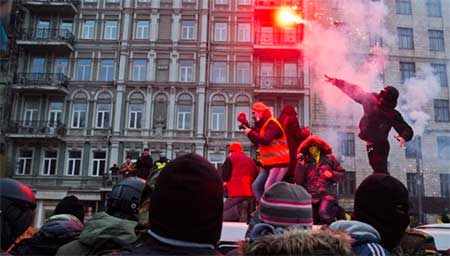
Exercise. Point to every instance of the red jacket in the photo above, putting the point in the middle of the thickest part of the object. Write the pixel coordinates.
(239, 171)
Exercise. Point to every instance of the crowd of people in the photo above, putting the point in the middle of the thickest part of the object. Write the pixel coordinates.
(177, 207)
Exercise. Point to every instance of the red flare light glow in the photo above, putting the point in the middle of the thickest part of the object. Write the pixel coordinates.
(288, 16)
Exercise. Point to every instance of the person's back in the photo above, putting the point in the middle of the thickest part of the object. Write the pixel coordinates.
(114, 229)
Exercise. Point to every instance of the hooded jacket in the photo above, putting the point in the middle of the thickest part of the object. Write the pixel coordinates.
(58, 231)
(311, 174)
(103, 232)
(299, 242)
(379, 114)
(366, 239)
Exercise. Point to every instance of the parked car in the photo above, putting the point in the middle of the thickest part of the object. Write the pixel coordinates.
(441, 235)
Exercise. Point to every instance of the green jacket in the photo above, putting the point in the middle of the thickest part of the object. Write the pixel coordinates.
(103, 232)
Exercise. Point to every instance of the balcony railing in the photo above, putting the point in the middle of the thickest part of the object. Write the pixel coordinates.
(28, 127)
(279, 82)
(277, 38)
(62, 7)
(74, 2)
(276, 3)
(47, 34)
(34, 79)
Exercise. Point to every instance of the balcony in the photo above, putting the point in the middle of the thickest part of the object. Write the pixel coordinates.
(272, 4)
(279, 84)
(62, 7)
(278, 40)
(51, 82)
(38, 40)
(22, 129)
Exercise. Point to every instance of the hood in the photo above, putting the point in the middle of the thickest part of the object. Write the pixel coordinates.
(103, 225)
(61, 227)
(287, 111)
(300, 242)
(358, 230)
(324, 147)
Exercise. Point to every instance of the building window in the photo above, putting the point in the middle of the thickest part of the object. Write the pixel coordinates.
(88, 29)
(403, 7)
(135, 113)
(84, 69)
(411, 183)
(444, 179)
(242, 105)
(31, 113)
(405, 38)
(219, 74)
(160, 111)
(413, 149)
(346, 142)
(436, 38)
(99, 163)
(243, 73)
(407, 71)
(184, 112)
(440, 70)
(62, 66)
(220, 31)
(188, 30)
(434, 8)
(142, 28)
(79, 113)
(443, 146)
(244, 2)
(74, 163)
(375, 40)
(186, 71)
(103, 115)
(348, 186)
(441, 111)
(218, 118)
(243, 32)
(24, 162)
(221, 1)
(110, 30)
(49, 167)
(107, 70)
(139, 70)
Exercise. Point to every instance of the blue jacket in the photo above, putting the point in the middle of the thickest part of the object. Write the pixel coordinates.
(366, 239)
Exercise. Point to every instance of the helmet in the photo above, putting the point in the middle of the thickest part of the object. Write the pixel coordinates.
(124, 199)
(17, 210)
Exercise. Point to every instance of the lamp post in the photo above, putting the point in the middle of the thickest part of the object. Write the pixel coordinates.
(419, 180)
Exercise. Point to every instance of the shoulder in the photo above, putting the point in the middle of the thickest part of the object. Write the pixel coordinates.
(372, 249)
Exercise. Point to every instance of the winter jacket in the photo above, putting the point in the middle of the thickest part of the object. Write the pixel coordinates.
(58, 231)
(239, 171)
(102, 233)
(310, 174)
(299, 242)
(366, 239)
(128, 170)
(143, 165)
(153, 244)
(377, 120)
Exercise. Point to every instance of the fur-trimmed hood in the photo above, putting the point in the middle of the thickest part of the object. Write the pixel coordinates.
(300, 242)
(324, 147)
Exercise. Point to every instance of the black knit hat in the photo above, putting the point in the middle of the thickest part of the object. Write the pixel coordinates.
(187, 202)
(70, 205)
(389, 96)
(382, 202)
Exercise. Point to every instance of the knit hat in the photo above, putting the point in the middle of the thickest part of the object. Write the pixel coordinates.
(285, 204)
(187, 202)
(389, 96)
(235, 147)
(382, 202)
(70, 205)
(259, 107)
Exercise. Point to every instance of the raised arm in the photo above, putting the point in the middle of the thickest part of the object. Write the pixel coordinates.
(352, 90)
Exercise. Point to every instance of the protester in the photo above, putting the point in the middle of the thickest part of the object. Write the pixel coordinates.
(378, 119)
(64, 226)
(17, 210)
(416, 242)
(269, 136)
(319, 171)
(112, 230)
(238, 173)
(162, 161)
(114, 171)
(382, 203)
(295, 136)
(144, 164)
(128, 168)
(185, 211)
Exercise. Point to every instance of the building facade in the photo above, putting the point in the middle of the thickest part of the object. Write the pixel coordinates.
(97, 80)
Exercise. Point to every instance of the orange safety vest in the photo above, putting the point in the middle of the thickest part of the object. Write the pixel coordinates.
(277, 152)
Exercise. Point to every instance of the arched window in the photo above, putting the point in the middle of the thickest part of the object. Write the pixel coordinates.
(79, 110)
(218, 114)
(136, 106)
(103, 111)
(160, 107)
(242, 105)
(184, 112)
